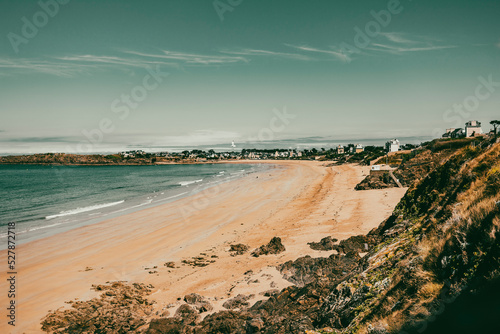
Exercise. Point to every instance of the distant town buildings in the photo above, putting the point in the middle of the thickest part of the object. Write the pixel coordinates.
(132, 154)
(392, 145)
(342, 153)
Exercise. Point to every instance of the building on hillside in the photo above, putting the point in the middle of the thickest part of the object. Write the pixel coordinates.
(340, 149)
(454, 133)
(392, 145)
(448, 132)
(473, 128)
(359, 148)
(457, 133)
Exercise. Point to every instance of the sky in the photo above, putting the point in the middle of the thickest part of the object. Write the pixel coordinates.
(104, 76)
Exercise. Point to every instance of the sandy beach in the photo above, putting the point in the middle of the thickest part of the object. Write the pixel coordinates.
(300, 202)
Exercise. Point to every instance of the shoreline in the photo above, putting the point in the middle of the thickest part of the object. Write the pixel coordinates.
(26, 234)
(301, 203)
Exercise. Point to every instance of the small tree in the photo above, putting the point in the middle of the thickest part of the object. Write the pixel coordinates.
(495, 126)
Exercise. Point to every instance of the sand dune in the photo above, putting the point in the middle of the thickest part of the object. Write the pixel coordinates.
(297, 201)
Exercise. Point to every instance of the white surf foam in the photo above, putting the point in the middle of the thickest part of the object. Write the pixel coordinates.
(186, 183)
(84, 209)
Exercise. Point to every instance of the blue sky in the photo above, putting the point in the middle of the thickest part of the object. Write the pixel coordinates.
(65, 87)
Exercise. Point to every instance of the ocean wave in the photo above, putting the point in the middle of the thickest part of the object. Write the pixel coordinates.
(148, 201)
(84, 209)
(36, 228)
(170, 197)
(186, 183)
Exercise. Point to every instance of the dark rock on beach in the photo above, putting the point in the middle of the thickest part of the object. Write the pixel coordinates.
(273, 247)
(270, 293)
(358, 244)
(169, 264)
(306, 269)
(326, 244)
(238, 249)
(121, 308)
(198, 302)
(224, 322)
(240, 301)
(180, 323)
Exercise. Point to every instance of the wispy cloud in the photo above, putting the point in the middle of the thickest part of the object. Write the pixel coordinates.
(401, 50)
(399, 44)
(72, 65)
(267, 53)
(100, 61)
(336, 54)
(51, 67)
(190, 58)
(397, 37)
(126, 60)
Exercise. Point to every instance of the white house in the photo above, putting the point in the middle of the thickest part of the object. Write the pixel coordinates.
(473, 128)
(392, 145)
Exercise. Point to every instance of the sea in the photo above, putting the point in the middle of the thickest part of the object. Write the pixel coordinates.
(45, 200)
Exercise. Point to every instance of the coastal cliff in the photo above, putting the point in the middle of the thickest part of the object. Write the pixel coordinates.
(74, 159)
(439, 246)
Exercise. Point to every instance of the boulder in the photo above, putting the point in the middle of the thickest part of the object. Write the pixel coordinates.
(198, 302)
(240, 301)
(326, 244)
(273, 247)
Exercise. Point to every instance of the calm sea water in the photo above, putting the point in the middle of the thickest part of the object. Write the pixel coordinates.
(44, 200)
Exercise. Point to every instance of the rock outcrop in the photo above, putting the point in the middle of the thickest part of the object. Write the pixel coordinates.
(325, 244)
(121, 308)
(307, 269)
(240, 301)
(238, 249)
(198, 302)
(273, 247)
